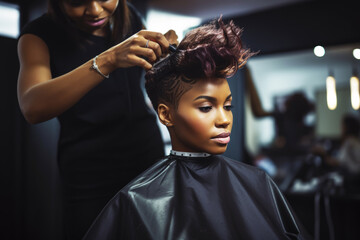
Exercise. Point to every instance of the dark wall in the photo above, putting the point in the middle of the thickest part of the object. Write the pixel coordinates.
(30, 195)
(11, 142)
(235, 148)
(301, 26)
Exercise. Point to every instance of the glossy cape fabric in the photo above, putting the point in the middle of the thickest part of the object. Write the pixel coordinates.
(198, 198)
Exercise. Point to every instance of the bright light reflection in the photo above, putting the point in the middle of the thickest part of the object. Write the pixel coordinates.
(356, 53)
(354, 90)
(319, 51)
(331, 93)
(9, 20)
(163, 21)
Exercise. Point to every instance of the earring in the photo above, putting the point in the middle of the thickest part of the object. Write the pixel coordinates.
(166, 123)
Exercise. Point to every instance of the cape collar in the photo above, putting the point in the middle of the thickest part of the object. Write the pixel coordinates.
(189, 154)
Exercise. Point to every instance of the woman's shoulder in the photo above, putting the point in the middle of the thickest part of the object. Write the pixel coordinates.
(243, 168)
(150, 176)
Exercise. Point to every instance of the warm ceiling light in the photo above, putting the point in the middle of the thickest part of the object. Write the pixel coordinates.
(331, 93)
(356, 53)
(319, 51)
(354, 91)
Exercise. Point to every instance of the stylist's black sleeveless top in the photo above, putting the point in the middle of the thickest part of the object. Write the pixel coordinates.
(110, 135)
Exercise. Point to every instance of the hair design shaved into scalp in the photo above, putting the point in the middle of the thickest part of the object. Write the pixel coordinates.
(214, 50)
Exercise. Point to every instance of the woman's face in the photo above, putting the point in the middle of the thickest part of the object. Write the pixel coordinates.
(203, 120)
(90, 15)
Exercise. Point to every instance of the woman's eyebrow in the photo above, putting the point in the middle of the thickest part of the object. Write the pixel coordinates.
(210, 99)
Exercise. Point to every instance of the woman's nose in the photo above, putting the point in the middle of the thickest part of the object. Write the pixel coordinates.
(224, 118)
(94, 8)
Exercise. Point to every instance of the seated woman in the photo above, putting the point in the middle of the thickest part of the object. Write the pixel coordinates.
(195, 193)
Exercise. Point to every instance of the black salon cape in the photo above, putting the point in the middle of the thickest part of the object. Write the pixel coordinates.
(198, 198)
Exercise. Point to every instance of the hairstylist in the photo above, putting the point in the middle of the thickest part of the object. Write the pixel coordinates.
(82, 62)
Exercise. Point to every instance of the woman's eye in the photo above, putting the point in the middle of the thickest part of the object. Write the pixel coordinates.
(228, 107)
(205, 109)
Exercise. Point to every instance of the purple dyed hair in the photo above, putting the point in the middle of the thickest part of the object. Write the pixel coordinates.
(214, 50)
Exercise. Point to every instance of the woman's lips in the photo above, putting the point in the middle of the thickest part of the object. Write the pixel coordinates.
(96, 23)
(223, 138)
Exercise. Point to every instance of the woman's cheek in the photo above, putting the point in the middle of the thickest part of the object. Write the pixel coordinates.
(200, 124)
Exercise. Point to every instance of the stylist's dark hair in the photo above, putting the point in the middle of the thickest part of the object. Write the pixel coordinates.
(120, 19)
(213, 50)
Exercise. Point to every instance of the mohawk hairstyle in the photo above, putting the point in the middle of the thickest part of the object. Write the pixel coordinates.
(214, 50)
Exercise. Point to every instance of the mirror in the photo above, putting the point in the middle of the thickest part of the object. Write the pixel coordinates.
(279, 76)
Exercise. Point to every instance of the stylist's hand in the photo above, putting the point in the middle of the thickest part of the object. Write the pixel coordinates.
(142, 49)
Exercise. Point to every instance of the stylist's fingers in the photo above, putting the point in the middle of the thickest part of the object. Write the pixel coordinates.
(141, 49)
(157, 38)
(138, 61)
(147, 51)
(155, 47)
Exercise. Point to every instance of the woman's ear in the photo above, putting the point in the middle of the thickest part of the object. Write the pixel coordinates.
(165, 115)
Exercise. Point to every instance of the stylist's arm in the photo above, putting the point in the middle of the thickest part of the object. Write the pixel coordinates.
(42, 97)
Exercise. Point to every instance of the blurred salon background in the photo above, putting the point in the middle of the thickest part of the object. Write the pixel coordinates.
(296, 110)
